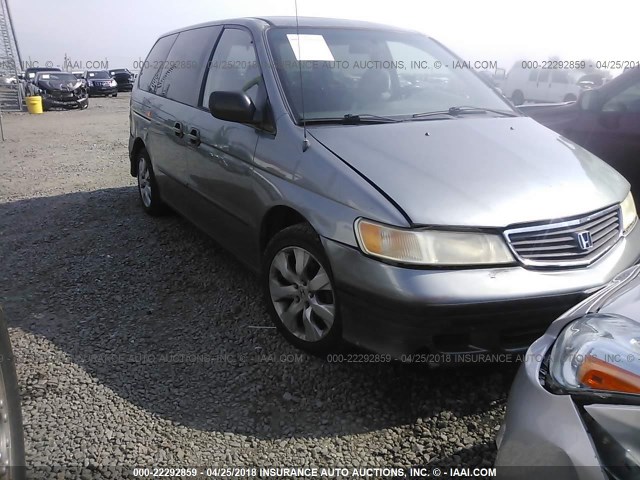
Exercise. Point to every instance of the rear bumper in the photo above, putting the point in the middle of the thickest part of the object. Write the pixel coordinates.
(396, 310)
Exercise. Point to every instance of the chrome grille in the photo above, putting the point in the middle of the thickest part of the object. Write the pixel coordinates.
(577, 241)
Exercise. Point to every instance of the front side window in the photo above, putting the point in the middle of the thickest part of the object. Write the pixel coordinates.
(234, 67)
(544, 76)
(374, 72)
(559, 76)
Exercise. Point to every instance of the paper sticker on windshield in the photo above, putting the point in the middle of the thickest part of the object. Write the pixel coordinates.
(46, 76)
(310, 48)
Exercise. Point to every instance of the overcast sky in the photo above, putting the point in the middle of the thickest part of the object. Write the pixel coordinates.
(122, 31)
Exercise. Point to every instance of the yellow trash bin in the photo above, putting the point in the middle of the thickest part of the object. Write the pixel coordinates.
(34, 104)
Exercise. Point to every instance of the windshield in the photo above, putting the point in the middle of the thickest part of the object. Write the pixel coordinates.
(118, 70)
(58, 77)
(373, 72)
(103, 74)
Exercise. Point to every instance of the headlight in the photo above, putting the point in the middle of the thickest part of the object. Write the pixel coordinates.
(431, 247)
(629, 214)
(90, 83)
(114, 83)
(598, 352)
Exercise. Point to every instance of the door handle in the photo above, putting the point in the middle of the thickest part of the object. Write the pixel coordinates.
(177, 130)
(194, 137)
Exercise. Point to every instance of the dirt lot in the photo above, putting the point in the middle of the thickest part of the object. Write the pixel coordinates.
(139, 342)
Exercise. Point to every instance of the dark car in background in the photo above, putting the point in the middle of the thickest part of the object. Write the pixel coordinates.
(30, 73)
(604, 120)
(59, 90)
(124, 78)
(100, 83)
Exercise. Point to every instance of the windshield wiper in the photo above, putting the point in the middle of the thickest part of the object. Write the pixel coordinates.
(457, 111)
(351, 119)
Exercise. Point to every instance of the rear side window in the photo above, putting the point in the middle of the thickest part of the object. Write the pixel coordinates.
(152, 67)
(184, 68)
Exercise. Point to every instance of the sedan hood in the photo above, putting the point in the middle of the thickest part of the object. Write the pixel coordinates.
(477, 172)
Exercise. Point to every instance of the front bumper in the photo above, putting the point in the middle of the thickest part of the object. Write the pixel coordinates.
(103, 90)
(71, 102)
(396, 310)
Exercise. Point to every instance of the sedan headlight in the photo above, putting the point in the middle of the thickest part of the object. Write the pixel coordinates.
(598, 352)
(629, 214)
(431, 247)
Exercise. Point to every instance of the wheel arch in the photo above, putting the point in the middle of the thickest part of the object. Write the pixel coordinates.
(276, 219)
(138, 145)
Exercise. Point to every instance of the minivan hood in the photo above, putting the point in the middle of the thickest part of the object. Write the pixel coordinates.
(476, 172)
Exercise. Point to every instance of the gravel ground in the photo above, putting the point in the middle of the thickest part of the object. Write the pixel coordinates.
(140, 342)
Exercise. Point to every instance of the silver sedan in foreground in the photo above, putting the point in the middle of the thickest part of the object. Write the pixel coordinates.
(575, 403)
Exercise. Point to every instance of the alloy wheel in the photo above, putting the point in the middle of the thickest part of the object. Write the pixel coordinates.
(302, 294)
(144, 181)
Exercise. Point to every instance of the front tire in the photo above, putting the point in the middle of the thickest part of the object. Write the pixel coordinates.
(11, 432)
(115, 94)
(147, 185)
(299, 290)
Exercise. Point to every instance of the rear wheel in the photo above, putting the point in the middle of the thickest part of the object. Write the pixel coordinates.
(115, 94)
(147, 185)
(517, 97)
(299, 290)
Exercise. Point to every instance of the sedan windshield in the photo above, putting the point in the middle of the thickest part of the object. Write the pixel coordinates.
(358, 72)
(58, 77)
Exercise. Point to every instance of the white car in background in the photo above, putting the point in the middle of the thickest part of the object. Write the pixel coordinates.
(548, 85)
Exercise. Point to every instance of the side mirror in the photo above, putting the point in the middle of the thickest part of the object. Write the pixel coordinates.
(233, 107)
(590, 100)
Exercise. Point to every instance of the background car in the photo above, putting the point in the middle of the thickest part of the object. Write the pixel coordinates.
(605, 121)
(11, 433)
(124, 78)
(545, 85)
(100, 83)
(59, 90)
(30, 73)
(575, 402)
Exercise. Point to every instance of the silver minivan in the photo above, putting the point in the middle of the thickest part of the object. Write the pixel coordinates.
(387, 196)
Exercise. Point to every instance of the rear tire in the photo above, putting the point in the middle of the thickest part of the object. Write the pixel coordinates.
(299, 290)
(517, 98)
(147, 185)
(11, 432)
(114, 95)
